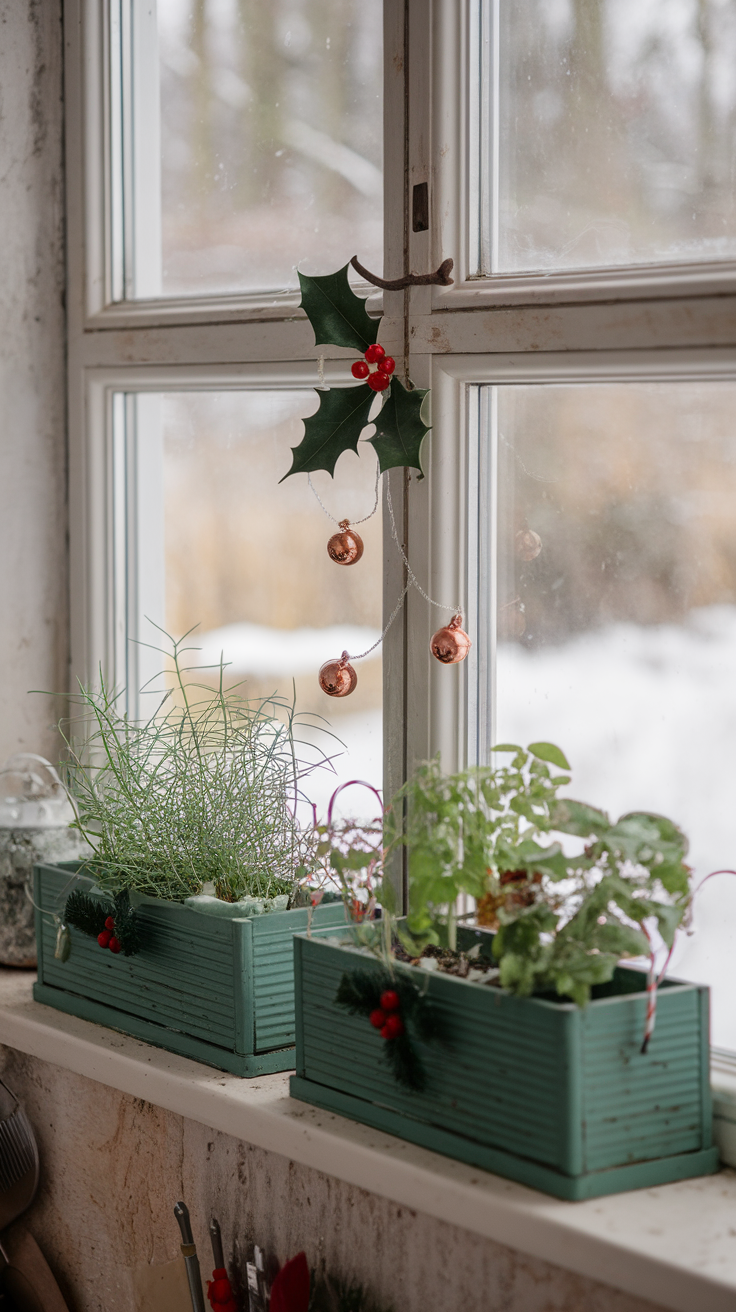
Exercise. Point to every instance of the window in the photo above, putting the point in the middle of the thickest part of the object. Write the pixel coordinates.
(579, 163)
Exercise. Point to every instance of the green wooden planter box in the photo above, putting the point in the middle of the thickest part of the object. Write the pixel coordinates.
(547, 1093)
(218, 990)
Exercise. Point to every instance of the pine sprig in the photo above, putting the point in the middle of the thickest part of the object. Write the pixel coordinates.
(126, 925)
(333, 1295)
(360, 991)
(85, 913)
(89, 914)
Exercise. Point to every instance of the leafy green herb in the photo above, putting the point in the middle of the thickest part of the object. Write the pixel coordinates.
(562, 921)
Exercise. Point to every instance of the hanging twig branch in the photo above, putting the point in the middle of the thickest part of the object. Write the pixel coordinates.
(440, 278)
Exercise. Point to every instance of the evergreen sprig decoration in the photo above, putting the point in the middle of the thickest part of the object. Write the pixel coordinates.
(330, 1294)
(361, 993)
(89, 915)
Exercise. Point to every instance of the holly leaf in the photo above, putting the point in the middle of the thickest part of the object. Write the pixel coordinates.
(336, 427)
(400, 430)
(336, 314)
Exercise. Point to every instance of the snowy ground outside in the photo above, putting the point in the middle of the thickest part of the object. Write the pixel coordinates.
(647, 718)
(259, 650)
(255, 649)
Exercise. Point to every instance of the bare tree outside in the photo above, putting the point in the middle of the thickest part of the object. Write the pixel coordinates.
(618, 132)
(272, 136)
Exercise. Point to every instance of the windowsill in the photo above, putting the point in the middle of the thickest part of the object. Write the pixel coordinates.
(674, 1245)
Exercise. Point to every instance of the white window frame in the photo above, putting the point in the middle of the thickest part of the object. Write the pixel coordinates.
(643, 322)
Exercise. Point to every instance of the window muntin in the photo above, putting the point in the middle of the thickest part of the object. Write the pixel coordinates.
(214, 541)
(616, 624)
(250, 143)
(602, 134)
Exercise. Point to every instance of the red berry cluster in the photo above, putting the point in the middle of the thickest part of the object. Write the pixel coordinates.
(386, 1018)
(380, 379)
(220, 1293)
(107, 938)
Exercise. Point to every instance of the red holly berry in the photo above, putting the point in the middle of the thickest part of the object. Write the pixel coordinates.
(110, 924)
(390, 1000)
(104, 938)
(374, 353)
(360, 369)
(115, 945)
(393, 1028)
(377, 1018)
(387, 364)
(378, 382)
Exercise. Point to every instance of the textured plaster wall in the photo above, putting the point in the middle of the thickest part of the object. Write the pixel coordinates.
(33, 558)
(113, 1167)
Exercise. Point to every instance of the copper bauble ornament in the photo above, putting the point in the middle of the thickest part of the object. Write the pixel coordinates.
(338, 678)
(345, 547)
(528, 544)
(451, 644)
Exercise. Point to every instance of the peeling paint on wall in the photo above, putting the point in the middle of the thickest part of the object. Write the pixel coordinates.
(33, 519)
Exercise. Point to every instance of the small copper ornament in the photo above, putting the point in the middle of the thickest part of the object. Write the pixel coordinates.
(451, 644)
(528, 544)
(338, 678)
(345, 547)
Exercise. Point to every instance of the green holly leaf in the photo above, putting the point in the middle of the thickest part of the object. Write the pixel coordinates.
(336, 427)
(336, 314)
(400, 430)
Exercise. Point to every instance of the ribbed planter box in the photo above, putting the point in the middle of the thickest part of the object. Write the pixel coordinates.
(547, 1093)
(218, 990)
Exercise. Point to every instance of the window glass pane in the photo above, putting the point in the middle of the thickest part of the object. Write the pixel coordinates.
(615, 132)
(245, 560)
(616, 615)
(271, 140)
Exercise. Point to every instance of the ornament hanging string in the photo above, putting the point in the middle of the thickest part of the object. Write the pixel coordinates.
(352, 521)
(411, 581)
(449, 645)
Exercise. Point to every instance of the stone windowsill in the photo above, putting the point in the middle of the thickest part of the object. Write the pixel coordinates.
(674, 1245)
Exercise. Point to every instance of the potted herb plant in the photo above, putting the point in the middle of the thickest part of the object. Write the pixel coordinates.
(518, 1043)
(177, 928)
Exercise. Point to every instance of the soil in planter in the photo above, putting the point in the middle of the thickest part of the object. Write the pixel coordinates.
(462, 964)
(478, 965)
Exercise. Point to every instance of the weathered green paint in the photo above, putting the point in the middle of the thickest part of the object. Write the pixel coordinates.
(544, 1092)
(218, 990)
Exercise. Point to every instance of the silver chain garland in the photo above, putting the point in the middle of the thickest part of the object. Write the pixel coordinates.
(411, 581)
(352, 522)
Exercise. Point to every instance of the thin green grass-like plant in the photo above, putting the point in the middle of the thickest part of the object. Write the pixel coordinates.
(206, 790)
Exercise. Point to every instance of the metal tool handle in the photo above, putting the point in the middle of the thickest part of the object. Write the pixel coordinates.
(216, 1238)
(191, 1261)
(181, 1212)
